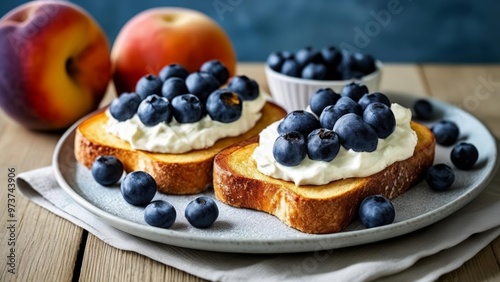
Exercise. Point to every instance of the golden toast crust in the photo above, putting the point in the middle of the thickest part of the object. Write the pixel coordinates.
(187, 173)
(313, 209)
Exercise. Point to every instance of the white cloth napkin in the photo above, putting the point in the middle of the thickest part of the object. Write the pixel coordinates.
(423, 255)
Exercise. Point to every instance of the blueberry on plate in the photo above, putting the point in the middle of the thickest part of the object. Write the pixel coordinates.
(218, 69)
(322, 145)
(202, 84)
(423, 109)
(381, 118)
(376, 211)
(125, 106)
(187, 108)
(275, 61)
(290, 67)
(372, 98)
(308, 55)
(331, 114)
(201, 212)
(300, 121)
(247, 88)
(107, 170)
(464, 155)
(160, 213)
(354, 91)
(364, 63)
(356, 134)
(331, 56)
(315, 71)
(446, 132)
(173, 70)
(138, 188)
(440, 177)
(224, 106)
(321, 99)
(148, 85)
(154, 109)
(290, 149)
(172, 87)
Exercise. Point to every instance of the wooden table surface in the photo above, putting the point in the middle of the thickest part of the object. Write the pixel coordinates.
(49, 248)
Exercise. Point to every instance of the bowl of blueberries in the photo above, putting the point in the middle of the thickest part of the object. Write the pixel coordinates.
(294, 76)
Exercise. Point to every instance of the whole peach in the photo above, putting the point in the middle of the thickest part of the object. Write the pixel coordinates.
(157, 37)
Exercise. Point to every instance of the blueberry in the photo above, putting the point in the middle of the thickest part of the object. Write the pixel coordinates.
(440, 177)
(376, 211)
(322, 145)
(154, 109)
(464, 155)
(224, 106)
(290, 67)
(290, 149)
(301, 121)
(124, 106)
(331, 114)
(381, 118)
(307, 55)
(107, 170)
(160, 213)
(423, 109)
(202, 84)
(446, 132)
(374, 97)
(275, 61)
(173, 70)
(321, 99)
(187, 108)
(356, 134)
(138, 188)
(347, 66)
(364, 63)
(147, 85)
(316, 71)
(247, 88)
(172, 87)
(354, 91)
(201, 212)
(216, 68)
(331, 56)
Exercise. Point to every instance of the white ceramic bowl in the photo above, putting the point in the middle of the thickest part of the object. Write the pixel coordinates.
(294, 93)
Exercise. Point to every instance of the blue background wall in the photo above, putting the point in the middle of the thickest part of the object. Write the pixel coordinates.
(406, 31)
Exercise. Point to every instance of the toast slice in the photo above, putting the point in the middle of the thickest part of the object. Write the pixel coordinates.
(187, 173)
(313, 209)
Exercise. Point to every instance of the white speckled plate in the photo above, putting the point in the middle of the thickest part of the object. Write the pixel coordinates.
(247, 231)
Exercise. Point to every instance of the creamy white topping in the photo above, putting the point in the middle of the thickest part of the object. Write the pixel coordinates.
(348, 163)
(176, 137)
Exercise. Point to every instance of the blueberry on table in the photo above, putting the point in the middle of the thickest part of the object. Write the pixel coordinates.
(290, 149)
(125, 106)
(354, 91)
(172, 87)
(321, 99)
(331, 56)
(201, 212)
(376, 211)
(300, 121)
(372, 98)
(154, 109)
(160, 213)
(323, 145)
(464, 155)
(247, 88)
(381, 118)
(423, 109)
(356, 134)
(290, 67)
(216, 68)
(107, 170)
(138, 188)
(343, 106)
(446, 132)
(173, 70)
(315, 71)
(307, 55)
(440, 177)
(224, 106)
(187, 108)
(148, 85)
(275, 61)
(202, 84)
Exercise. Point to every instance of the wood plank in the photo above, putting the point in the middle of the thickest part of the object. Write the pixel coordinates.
(404, 79)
